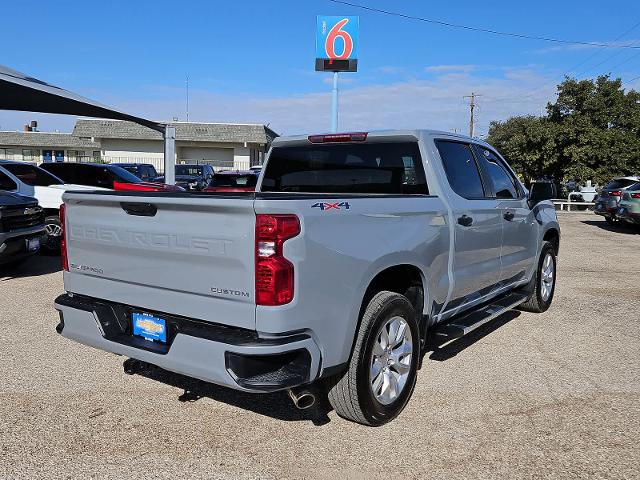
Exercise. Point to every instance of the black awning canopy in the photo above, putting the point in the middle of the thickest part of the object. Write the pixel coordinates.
(24, 93)
(27, 94)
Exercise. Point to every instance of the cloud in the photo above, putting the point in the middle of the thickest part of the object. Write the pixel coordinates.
(450, 68)
(435, 102)
(390, 69)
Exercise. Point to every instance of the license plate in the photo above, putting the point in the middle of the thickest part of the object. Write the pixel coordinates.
(33, 244)
(149, 327)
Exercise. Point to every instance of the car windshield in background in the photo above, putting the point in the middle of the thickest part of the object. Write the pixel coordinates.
(31, 175)
(229, 180)
(124, 175)
(133, 169)
(621, 183)
(391, 168)
(188, 170)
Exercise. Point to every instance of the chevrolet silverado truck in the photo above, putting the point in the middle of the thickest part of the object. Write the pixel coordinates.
(353, 252)
(21, 227)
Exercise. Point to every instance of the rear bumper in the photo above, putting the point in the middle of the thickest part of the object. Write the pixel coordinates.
(232, 357)
(623, 213)
(606, 208)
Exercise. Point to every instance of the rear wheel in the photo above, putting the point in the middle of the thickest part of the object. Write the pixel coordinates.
(545, 281)
(611, 220)
(383, 367)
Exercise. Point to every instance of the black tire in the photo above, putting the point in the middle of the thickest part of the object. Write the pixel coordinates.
(350, 393)
(51, 241)
(611, 220)
(536, 302)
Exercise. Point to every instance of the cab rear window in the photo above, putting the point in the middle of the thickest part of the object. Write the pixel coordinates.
(378, 168)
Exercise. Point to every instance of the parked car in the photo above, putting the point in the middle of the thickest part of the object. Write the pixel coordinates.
(543, 189)
(192, 177)
(234, 181)
(355, 249)
(21, 226)
(91, 174)
(629, 209)
(30, 180)
(144, 171)
(608, 200)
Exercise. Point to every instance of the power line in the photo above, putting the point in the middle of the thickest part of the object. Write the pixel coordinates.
(483, 30)
(630, 81)
(572, 69)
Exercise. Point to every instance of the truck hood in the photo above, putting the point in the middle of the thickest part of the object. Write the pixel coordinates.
(13, 199)
(75, 187)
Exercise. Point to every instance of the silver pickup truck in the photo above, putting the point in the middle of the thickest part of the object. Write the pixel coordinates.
(354, 250)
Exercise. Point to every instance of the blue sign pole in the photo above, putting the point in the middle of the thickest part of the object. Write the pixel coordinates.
(334, 104)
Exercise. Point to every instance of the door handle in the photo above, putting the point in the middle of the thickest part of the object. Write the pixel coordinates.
(508, 216)
(465, 221)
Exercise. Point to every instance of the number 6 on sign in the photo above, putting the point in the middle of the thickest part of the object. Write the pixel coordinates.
(335, 33)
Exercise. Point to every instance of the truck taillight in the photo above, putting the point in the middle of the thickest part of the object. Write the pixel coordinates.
(63, 239)
(274, 273)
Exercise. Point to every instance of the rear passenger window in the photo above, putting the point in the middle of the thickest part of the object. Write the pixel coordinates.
(504, 185)
(461, 168)
(391, 168)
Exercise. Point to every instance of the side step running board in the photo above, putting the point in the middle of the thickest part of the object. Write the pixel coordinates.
(466, 322)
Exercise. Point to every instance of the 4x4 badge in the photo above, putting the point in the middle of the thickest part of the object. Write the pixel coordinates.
(331, 206)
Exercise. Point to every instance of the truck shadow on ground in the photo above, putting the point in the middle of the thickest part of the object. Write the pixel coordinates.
(32, 267)
(618, 228)
(278, 405)
(442, 349)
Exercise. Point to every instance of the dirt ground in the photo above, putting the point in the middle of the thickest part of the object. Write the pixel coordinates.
(555, 395)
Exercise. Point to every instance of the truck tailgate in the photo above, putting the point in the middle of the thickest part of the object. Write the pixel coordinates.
(187, 255)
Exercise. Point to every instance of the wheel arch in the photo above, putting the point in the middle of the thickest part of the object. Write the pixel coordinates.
(404, 278)
(552, 235)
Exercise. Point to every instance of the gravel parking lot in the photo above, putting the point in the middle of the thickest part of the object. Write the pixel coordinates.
(555, 395)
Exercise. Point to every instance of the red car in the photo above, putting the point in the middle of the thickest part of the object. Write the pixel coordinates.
(234, 181)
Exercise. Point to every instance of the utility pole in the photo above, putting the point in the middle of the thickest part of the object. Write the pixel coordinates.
(187, 82)
(472, 106)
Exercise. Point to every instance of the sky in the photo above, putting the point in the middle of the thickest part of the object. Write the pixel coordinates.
(252, 61)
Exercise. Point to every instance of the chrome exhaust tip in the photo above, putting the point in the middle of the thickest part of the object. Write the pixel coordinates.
(302, 397)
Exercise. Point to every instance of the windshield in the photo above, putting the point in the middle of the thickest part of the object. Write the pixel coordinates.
(191, 170)
(634, 188)
(32, 175)
(620, 183)
(133, 169)
(240, 180)
(123, 175)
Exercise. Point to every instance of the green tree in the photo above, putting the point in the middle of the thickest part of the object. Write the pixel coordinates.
(529, 144)
(591, 131)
